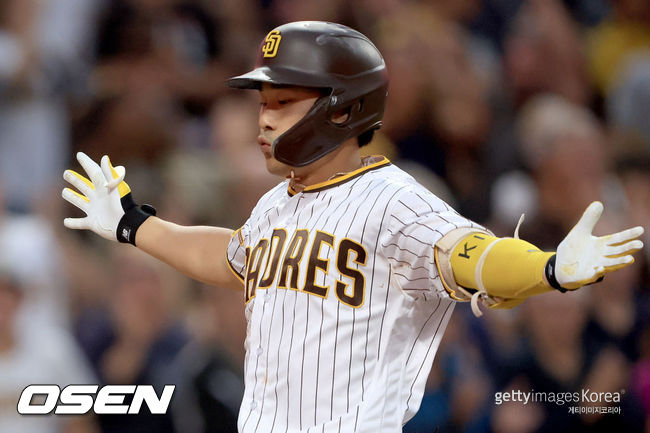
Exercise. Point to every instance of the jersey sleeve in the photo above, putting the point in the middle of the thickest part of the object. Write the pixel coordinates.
(418, 220)
(241, 238)
(236, 252)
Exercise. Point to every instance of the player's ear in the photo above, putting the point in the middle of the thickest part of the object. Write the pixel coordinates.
(341, 116)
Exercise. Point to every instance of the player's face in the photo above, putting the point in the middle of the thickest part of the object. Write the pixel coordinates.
(280, 109)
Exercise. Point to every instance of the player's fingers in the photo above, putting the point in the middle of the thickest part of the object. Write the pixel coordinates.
(92, 169)
(80, 182)
(624, 236)
(76, 223)
(114, 175)
(616, 267)
(623, 249)
(76, 199)
(609, 263)
(590, 217)
(107, 168)
(119, 172)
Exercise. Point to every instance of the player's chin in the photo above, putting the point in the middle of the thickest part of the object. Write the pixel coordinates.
(276, 167)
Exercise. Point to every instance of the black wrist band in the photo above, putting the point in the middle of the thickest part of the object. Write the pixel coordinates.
(132, 219)
(549, 271)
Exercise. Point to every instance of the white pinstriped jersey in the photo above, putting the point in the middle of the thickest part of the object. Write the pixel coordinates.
(344, 303)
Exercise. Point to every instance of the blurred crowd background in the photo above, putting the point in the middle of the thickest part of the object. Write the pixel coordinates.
(501, 107)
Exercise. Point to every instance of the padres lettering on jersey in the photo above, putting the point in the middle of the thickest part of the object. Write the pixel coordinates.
(347, 253)
(344, 305)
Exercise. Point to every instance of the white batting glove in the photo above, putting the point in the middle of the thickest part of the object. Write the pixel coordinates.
(106, 199)
(583, 258)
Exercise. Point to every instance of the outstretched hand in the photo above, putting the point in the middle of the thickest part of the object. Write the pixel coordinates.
(106, 200)
(583, 258)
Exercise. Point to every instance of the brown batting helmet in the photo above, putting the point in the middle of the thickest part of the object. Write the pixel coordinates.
(340, 61)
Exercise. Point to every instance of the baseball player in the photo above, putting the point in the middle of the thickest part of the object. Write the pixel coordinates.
(349, 268)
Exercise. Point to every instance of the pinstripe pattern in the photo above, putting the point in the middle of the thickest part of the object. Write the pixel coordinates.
(316, 363)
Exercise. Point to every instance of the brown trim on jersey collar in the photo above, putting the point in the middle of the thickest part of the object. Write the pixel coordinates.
(342, 179)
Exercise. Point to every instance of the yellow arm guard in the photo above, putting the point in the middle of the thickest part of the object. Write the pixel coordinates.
(506, 268)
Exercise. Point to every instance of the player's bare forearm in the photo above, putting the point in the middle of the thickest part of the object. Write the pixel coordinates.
(111, 212)
(197, 251)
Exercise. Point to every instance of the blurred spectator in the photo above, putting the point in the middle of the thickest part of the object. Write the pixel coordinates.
(563, 145)
(210, 380)
(440, 115)
(29, 248)
(44, 48)
(284, 11)
(634, 172)
(34, 355)
(543, 54)
(555, 361)
(611, 44)
(513, 194)
(135, 339)
(617, 316)
(458, 391)
(218, 185)
(158, 64)
(640, 376)
(628, 104)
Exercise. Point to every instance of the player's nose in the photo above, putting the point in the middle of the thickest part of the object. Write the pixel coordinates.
(266, 120)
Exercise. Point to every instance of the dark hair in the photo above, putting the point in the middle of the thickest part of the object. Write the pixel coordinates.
(365, 137)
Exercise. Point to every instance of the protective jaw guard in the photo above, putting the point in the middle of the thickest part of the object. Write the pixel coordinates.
(316, 135)
(336, 59)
